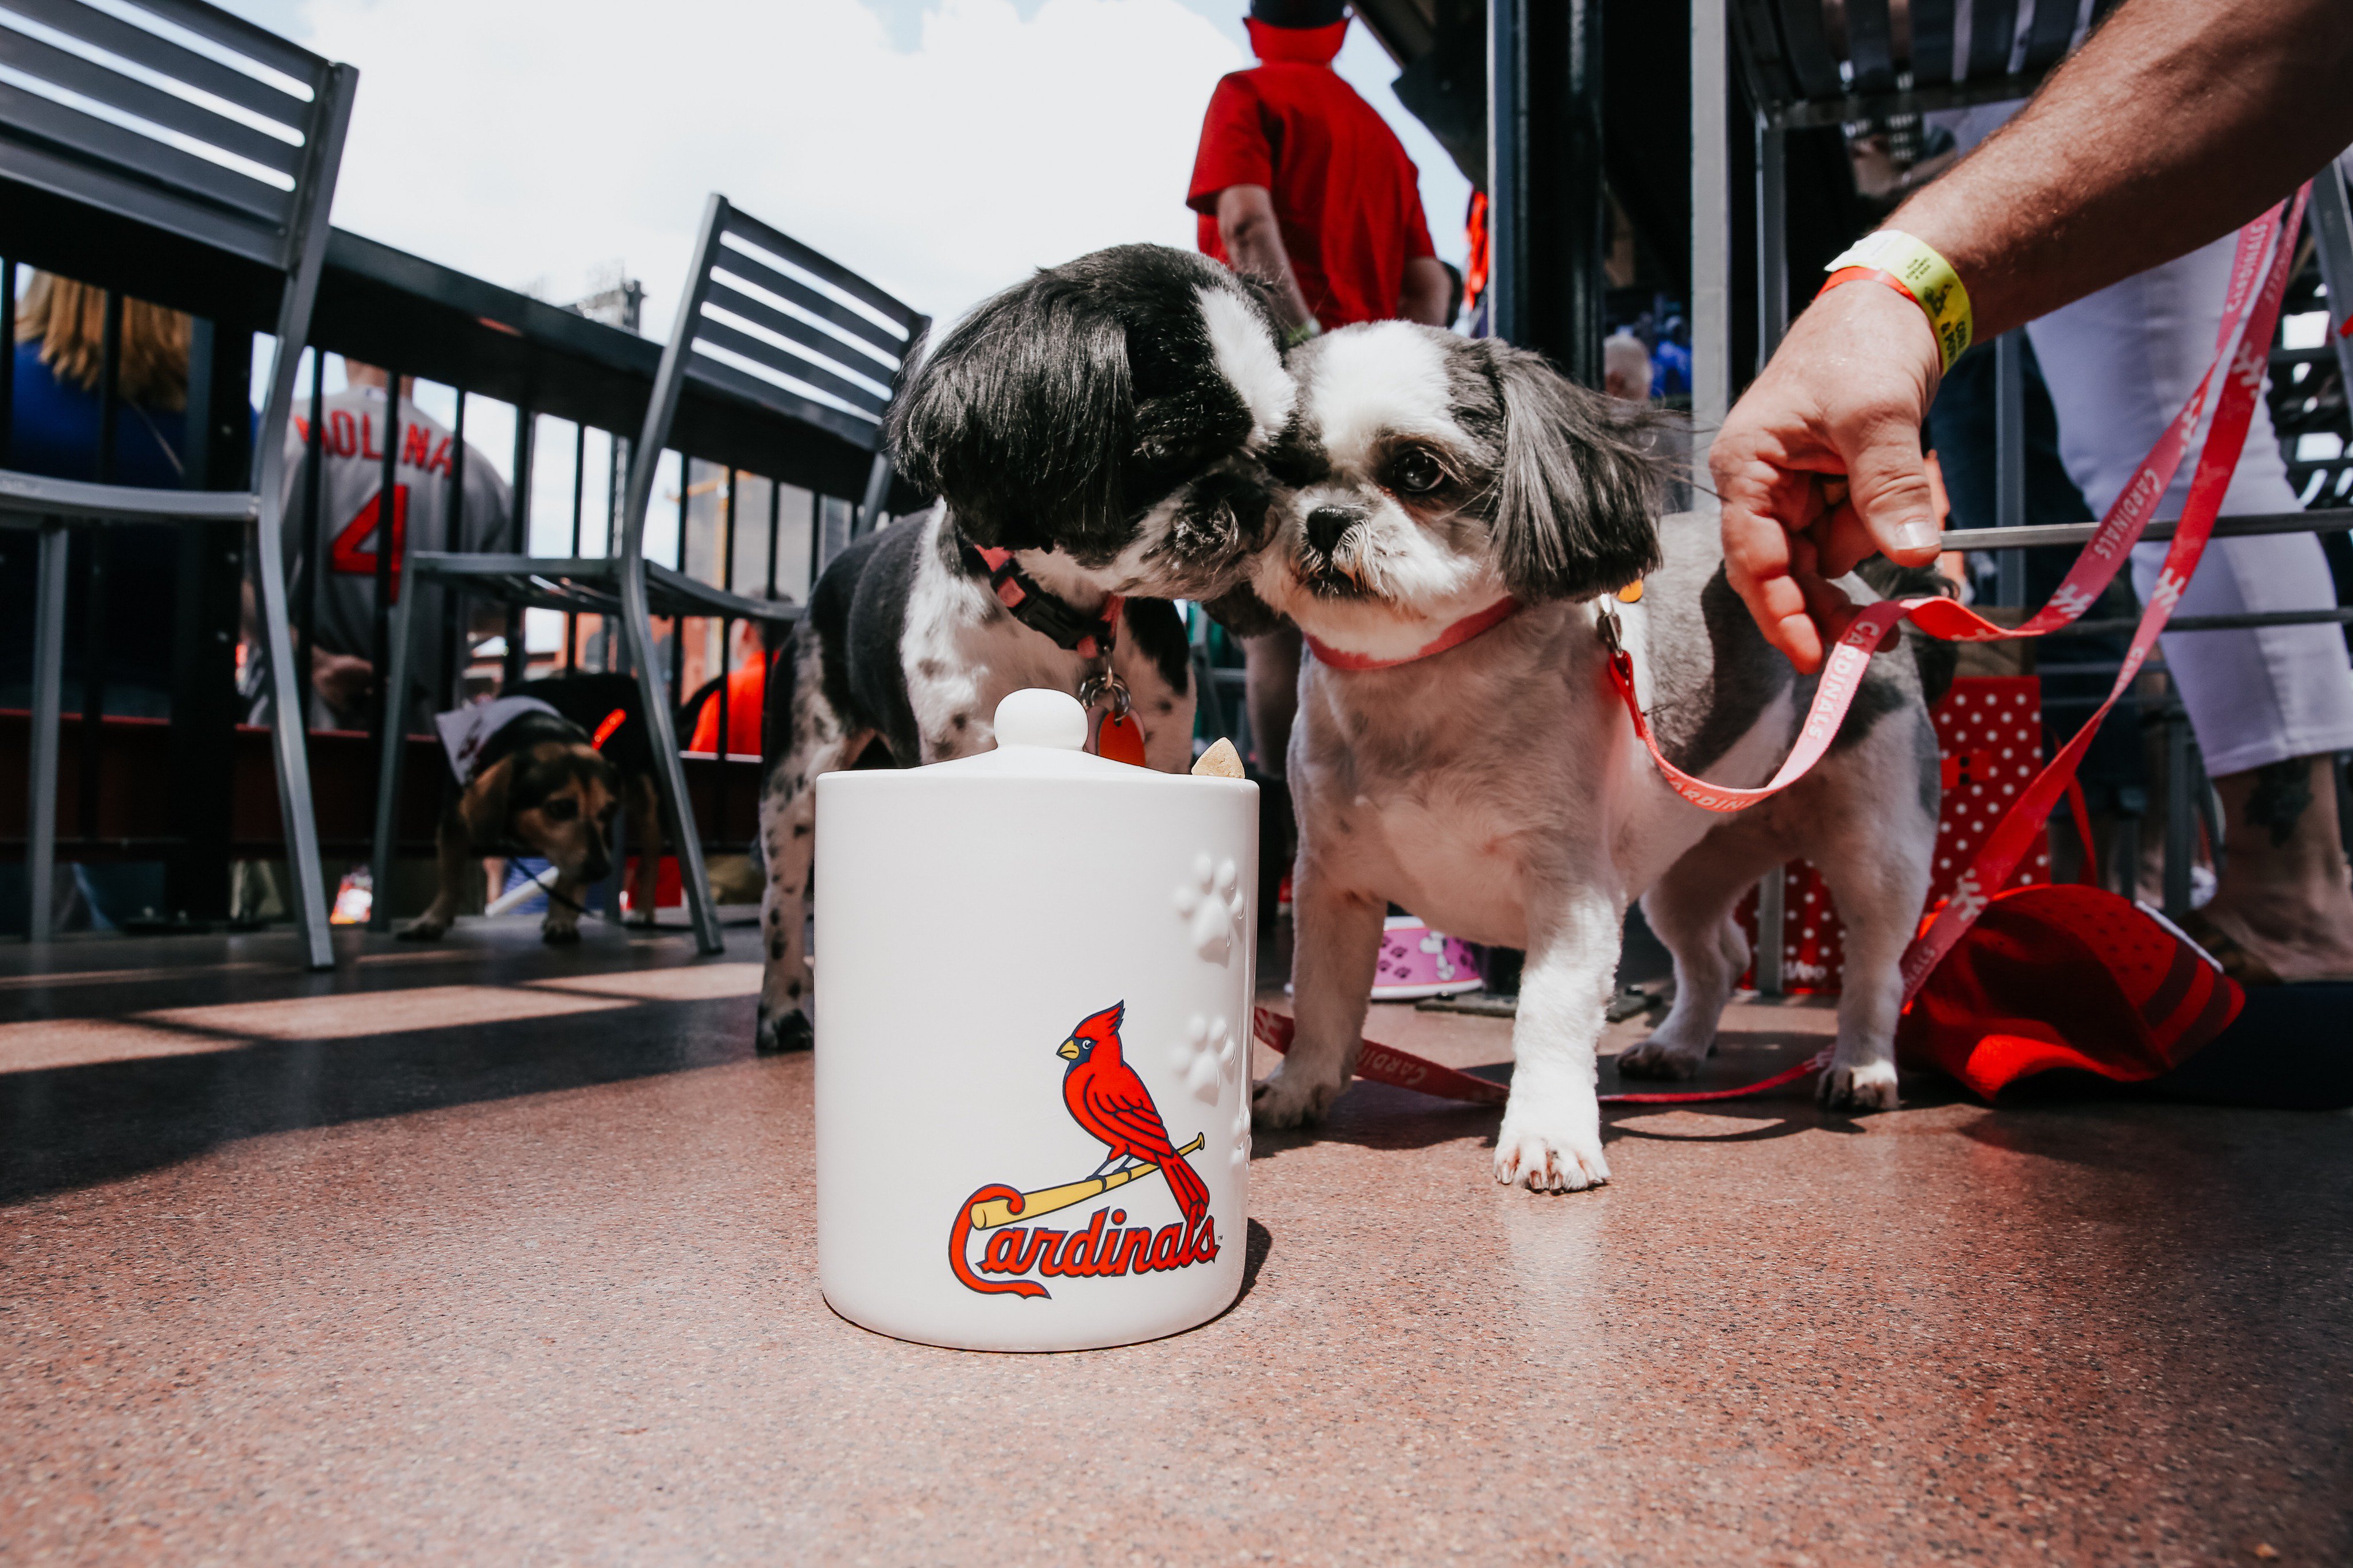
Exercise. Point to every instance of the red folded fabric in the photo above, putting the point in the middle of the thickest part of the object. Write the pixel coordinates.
(2075, 977)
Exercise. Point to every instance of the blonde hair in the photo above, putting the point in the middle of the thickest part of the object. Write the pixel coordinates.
(69, 321)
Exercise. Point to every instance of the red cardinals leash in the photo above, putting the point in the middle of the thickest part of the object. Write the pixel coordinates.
(2250, 311)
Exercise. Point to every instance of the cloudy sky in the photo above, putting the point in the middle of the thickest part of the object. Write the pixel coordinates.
(941, 147)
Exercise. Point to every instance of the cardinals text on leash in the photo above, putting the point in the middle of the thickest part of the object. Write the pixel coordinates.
(1104, 1096)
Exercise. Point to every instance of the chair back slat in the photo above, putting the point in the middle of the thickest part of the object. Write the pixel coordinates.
(1993, 30)
(735, 302)
(1932, 42)
(743, 226)
(1757, 32)
(2047, 33)
(144, 203)
(890, 340)
(1808, 46)
(761, 352)
(172, 113)
(1824, 62)
(73, 131)
(1871, 45)
(47, 63)
(241, 37)
(167, 58)
(799, 329)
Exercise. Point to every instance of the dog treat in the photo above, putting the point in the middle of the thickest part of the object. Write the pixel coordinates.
(1220, 762)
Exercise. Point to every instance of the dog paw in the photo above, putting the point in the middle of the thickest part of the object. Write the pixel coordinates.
(1555, 1162)
(1656, 1057)
(1870, 1086)
(559, 933)
(1289, 1100)
(424, 927)
(781, 1033)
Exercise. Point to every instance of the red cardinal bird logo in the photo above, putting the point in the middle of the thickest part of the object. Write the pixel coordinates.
(1106, 1098)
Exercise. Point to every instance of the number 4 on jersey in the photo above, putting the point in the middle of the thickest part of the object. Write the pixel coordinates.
(348, 556)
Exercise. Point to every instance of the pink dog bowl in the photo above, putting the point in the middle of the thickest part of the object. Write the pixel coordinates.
(1418, 961)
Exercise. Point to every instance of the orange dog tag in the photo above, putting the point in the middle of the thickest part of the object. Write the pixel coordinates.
(1121, 739)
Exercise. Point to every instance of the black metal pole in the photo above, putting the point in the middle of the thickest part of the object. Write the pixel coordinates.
(7, 355)
(579, 484)
(1548, 211)
(310, 576)
(775, 521)
(726, 638)
(519, 533)
(94, 629)
(387, 552)
(817, 538)
(678, 622)
(205, 619)
(456, 642)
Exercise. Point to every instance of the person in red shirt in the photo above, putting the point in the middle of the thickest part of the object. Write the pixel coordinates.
(1299, 182)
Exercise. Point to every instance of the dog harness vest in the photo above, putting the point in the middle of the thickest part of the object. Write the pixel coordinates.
(479, 736)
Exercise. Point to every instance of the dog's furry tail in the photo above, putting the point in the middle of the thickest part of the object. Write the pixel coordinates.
(1938, 660)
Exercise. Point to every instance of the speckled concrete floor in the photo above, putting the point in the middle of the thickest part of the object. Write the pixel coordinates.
(495, 1255)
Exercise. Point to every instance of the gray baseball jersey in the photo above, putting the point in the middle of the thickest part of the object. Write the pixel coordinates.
(353, 446)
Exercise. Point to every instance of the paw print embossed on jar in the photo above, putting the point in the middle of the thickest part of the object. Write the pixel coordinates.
(1212, 903)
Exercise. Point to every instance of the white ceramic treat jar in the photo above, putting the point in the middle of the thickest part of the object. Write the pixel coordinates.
(1031, 964)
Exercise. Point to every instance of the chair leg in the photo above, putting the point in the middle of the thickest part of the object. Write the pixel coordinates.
(389, 761)
(637, 629)
(48, 681)
(288, 745)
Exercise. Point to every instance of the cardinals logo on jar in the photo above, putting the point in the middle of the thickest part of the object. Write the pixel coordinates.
(1105, 1097)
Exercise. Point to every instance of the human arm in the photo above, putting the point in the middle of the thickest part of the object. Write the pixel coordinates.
(1426, 292)
(1247, 228)
(2136, 151)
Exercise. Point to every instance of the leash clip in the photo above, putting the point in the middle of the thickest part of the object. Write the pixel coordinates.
(1606, 624)
(1108, 689)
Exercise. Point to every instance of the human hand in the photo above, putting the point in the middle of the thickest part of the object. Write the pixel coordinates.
(341, 679)
(1819, 466)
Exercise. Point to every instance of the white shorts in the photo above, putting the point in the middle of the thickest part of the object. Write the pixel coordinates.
(2119, 364)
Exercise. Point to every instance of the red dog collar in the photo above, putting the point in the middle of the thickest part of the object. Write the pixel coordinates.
(1455, 635)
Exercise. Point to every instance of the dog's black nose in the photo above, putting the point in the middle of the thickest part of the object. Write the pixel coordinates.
(1327, 525)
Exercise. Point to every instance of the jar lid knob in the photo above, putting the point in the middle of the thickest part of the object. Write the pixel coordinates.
(1038, 717)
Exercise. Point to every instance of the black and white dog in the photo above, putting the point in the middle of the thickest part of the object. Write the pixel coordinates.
(1443, 494)
(1092, 432)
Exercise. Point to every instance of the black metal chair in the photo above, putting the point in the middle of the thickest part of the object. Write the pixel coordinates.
(823, 363)
(234, 229)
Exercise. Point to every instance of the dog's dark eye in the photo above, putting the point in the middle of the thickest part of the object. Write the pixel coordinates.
(563, 809)
(1415, 472)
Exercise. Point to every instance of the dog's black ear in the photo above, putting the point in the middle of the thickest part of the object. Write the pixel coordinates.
(1021, 416)
(1577, 484)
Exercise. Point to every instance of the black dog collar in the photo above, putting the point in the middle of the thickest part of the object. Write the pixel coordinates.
(1088, 637)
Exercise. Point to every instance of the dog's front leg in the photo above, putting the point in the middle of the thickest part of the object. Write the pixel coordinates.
(562, 926)
(452, 844)
(1551, 1136)
(788, 838)
(1337, 948)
